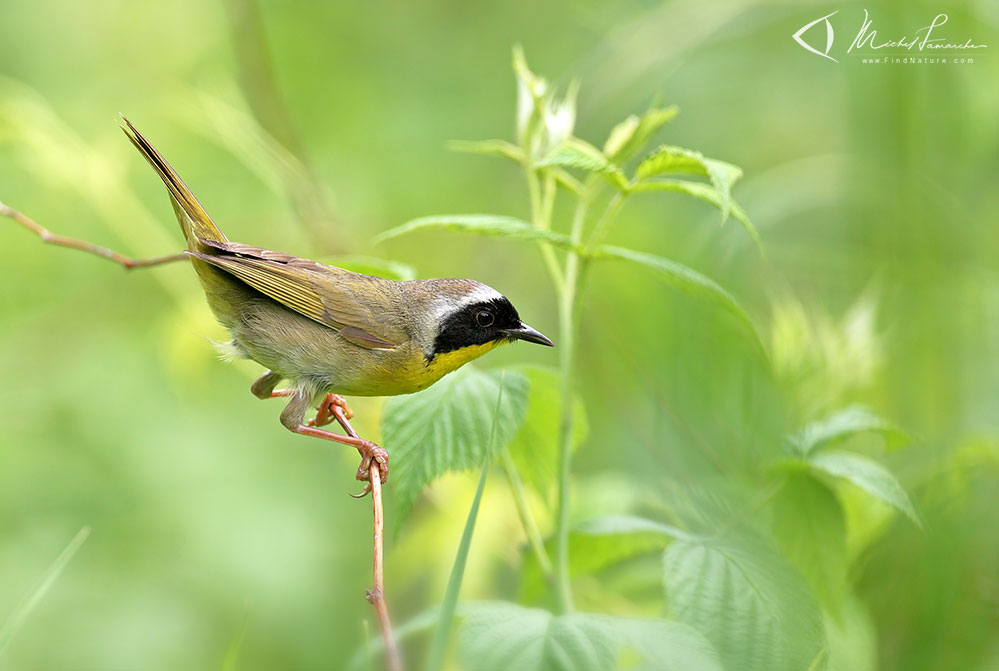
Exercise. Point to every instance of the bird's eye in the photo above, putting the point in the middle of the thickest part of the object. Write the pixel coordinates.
(484, 318)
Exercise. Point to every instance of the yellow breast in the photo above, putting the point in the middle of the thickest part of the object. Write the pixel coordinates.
(442, 364)
(395, 372)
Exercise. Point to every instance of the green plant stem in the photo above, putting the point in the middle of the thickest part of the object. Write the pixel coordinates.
(526, 518)
(567, 348)
(610, 212)
(541, 212)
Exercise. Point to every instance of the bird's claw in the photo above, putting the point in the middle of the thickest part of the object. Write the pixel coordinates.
(328, 410)
(364, 492)
(372, 454)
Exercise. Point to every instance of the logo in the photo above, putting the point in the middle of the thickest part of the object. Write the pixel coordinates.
(829, 37)
(925, 46)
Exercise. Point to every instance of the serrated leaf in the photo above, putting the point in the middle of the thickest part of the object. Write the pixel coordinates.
(746, 600)
(668, 160)
(577, 154)
(840, 425)
(493, 225)
(504, 636)
(684, 279)
(810, 529)
(867, 474)
(723, 175)
(447, 427)
(370, 265)
(489, 148)
(704, 192)
(631, 135)
(671, 160)
(535, 447)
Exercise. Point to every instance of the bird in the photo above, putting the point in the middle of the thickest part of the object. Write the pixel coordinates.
(328, 331)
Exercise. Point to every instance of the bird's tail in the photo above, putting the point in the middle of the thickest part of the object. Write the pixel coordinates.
(194, 221)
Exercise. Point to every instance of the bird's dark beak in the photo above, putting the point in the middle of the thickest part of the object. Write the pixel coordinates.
(525, 332)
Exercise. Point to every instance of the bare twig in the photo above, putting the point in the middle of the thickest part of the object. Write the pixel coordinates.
(376, 595)
(48, 236)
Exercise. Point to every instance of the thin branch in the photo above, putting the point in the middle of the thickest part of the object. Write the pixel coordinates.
(376, 595)
(53, 239)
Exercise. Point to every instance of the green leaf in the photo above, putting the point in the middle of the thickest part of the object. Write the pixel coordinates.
(667, 159)
(535, 447)
(604, 541)
(630, 136)
(686, 280)
(450, 603)
(841, 425)
(810, 529)
(663, 645)
(620, 135)
(867, 474)
(504, 636)
(447, 427)
(598, 544)
(489, 148)
(580, 155)
(704, 192)
(492, 225)
(670, 160)
(853, 642)
(747, 600)
(370, 265)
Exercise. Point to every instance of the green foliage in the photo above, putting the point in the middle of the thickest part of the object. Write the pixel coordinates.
(867, 474)
(704, 192)
(810, 530)
(503, 636)
(747, 600)
(581, 155)
(535, 447)
(449, 427)
(480, 224)
(758, 600)
(488, 148)
(631, 135)
(672, 160)
(879, 299)
(450, 604)
(684, 279)
(841, 425)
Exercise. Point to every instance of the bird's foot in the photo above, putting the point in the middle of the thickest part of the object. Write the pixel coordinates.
(372, 454)
(326, 410)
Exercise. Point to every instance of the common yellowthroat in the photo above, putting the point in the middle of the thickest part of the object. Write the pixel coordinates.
(330, 331)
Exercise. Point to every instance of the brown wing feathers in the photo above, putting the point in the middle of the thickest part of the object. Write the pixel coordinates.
(319, 292)
(307, 287)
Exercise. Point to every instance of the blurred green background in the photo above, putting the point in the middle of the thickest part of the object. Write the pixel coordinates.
(213, 528)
